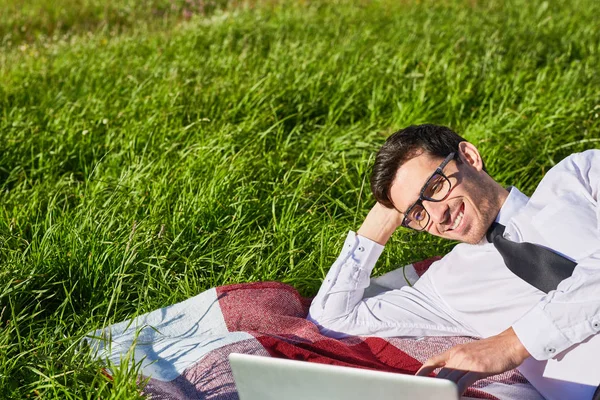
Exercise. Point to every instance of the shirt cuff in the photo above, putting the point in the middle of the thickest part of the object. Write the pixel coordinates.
(365, 252)
(539, 335)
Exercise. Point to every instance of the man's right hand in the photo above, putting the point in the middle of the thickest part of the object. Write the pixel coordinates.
(380, 224)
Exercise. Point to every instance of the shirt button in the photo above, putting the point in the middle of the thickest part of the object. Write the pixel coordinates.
(361, 249)
(596, 326)
(550, 350)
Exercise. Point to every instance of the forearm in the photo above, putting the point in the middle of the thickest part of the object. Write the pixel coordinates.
(339, 308)
(349, 275)
(566, 316)
(344, 285)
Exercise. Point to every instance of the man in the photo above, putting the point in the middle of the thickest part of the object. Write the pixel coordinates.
(428, 178)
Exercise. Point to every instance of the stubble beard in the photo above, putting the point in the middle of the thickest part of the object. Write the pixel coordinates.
(488, 211)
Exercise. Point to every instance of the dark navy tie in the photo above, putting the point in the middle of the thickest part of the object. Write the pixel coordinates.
(535, 264)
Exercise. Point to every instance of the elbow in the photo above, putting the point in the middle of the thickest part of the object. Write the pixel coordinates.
(335, 327)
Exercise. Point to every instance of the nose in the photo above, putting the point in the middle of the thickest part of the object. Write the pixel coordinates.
(438, 211)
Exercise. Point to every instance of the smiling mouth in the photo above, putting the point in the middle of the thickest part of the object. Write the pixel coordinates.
(458, 218)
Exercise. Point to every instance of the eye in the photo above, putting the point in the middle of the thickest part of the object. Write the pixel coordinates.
(418, 214)
(436, 184)
(436, 188)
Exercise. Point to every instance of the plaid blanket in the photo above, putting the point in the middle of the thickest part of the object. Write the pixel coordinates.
(183, 348)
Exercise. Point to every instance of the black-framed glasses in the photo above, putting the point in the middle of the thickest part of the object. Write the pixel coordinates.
(435, 189)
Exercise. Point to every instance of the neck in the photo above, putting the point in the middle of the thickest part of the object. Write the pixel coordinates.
(501, 196)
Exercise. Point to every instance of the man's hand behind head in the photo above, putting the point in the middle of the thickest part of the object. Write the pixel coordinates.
(380, 224)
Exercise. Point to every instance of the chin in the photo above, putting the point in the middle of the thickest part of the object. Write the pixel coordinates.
(464, 239)
(472, 240)
(470, 236)
(475, 236)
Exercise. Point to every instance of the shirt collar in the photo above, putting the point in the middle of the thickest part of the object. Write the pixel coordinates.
(513, 203)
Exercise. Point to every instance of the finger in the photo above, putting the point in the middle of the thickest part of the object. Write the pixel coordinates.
(467, 380)
(426, 370)
(430, 365)
(451, 374)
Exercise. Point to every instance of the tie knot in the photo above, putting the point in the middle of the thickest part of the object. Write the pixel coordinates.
(495, 230)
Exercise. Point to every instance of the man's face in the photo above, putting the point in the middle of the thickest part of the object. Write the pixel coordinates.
(469, 208)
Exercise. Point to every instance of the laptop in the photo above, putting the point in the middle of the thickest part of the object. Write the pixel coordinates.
(266, 378)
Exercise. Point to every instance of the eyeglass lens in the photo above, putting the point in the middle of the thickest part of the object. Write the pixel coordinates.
(436, 189)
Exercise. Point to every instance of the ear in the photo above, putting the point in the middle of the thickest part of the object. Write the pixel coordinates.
(470, 155)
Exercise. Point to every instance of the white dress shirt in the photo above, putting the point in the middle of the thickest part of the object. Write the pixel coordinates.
(471, 292)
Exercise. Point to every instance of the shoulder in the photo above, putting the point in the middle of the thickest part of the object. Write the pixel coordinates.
(577, 171)
(577, 163)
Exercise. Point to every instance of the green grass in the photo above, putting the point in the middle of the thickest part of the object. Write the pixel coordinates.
(151, 150)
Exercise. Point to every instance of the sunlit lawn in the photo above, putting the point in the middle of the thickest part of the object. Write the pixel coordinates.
(151, 150)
